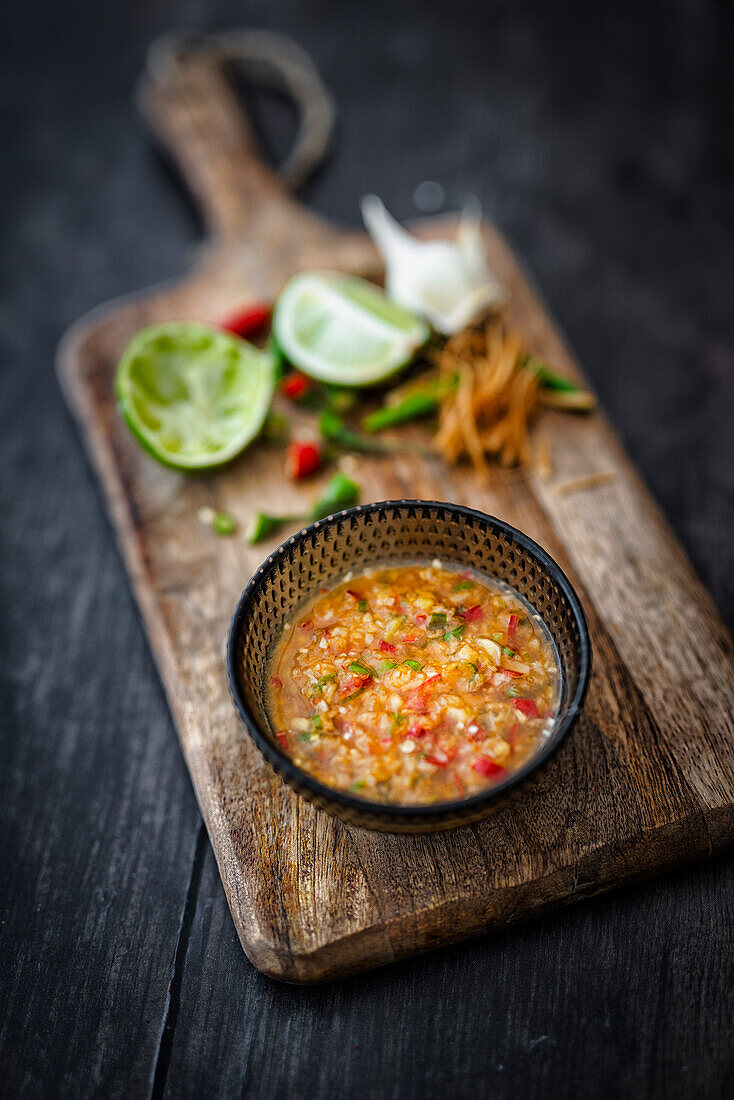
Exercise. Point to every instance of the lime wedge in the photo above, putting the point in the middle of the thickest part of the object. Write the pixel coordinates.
(338, 328)
(193, 396)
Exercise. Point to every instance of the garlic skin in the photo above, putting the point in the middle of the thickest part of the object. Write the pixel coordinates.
(447, 282)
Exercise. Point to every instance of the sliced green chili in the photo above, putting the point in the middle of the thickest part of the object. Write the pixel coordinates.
(340, 492)
(361, 669)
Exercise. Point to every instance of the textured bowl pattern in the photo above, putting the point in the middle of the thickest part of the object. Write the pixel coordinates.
(369, 536)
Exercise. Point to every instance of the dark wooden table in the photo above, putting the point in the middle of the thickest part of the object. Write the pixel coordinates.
(601, 143)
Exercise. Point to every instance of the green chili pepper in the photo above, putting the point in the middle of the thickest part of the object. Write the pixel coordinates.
(455, 633)
(385, 666)
(362, 605)
(361, 669)
(262, 526)
(508, 652)
(358, 785)
(416, 666)
(419, 401)
(276, 428)
(473, 667)
(549, 378)
(340, 492)
(305, 736)
(224, 524)
(437, 620)
(317, 721)
(339, 399)
(463, 585)
(413, 407)
(398, 720)
(334, 430)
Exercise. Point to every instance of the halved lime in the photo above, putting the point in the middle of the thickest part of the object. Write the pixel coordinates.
(194, 396)
(338, 328)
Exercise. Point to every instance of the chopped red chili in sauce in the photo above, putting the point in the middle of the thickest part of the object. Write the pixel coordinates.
(415, 684)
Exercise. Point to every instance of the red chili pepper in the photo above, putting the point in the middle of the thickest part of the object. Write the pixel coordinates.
(295, 386)
(421, 618)
(512, 627)
(436, 761)
(283, 738)
(410, 640)
(416, 700)
(416, 730)
(248, 321)
(487, 767)
(528, 706)
(353, 594)
(276, 681)
(302, 460)
(470, 614)
(386, 647)
(511, 672)
(308, 625)
(353, 684)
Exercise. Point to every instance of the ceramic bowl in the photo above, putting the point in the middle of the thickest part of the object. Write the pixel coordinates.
(390, 531)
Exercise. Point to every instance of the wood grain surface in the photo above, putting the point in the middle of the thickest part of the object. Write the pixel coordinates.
(645, 782)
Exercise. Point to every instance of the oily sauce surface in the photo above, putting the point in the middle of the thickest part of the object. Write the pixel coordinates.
(413, 684)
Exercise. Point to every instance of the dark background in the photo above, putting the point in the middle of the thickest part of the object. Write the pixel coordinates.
(599, 137)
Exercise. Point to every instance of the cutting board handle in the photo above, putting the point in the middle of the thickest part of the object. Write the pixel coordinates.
(188, 100)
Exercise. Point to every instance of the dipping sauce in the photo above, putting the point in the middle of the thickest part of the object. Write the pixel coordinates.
(413, 684)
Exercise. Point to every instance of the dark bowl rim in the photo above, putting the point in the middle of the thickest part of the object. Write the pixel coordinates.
(467, 807)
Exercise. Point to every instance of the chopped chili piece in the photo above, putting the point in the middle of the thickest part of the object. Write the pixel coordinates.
(434, 760)
(276, 681)
(470, 614)
(415, 665)
(488, 767)
(387, 647)
(438, 621)
(362, 605)
(295, 386)
(361, 668)
(302, 460)
(247, 322)
(528, 706)
(512, 627)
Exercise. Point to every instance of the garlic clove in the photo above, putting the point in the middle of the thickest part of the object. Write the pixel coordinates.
(447, 282)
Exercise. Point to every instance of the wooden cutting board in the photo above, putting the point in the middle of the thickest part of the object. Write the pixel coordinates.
(645, 782)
